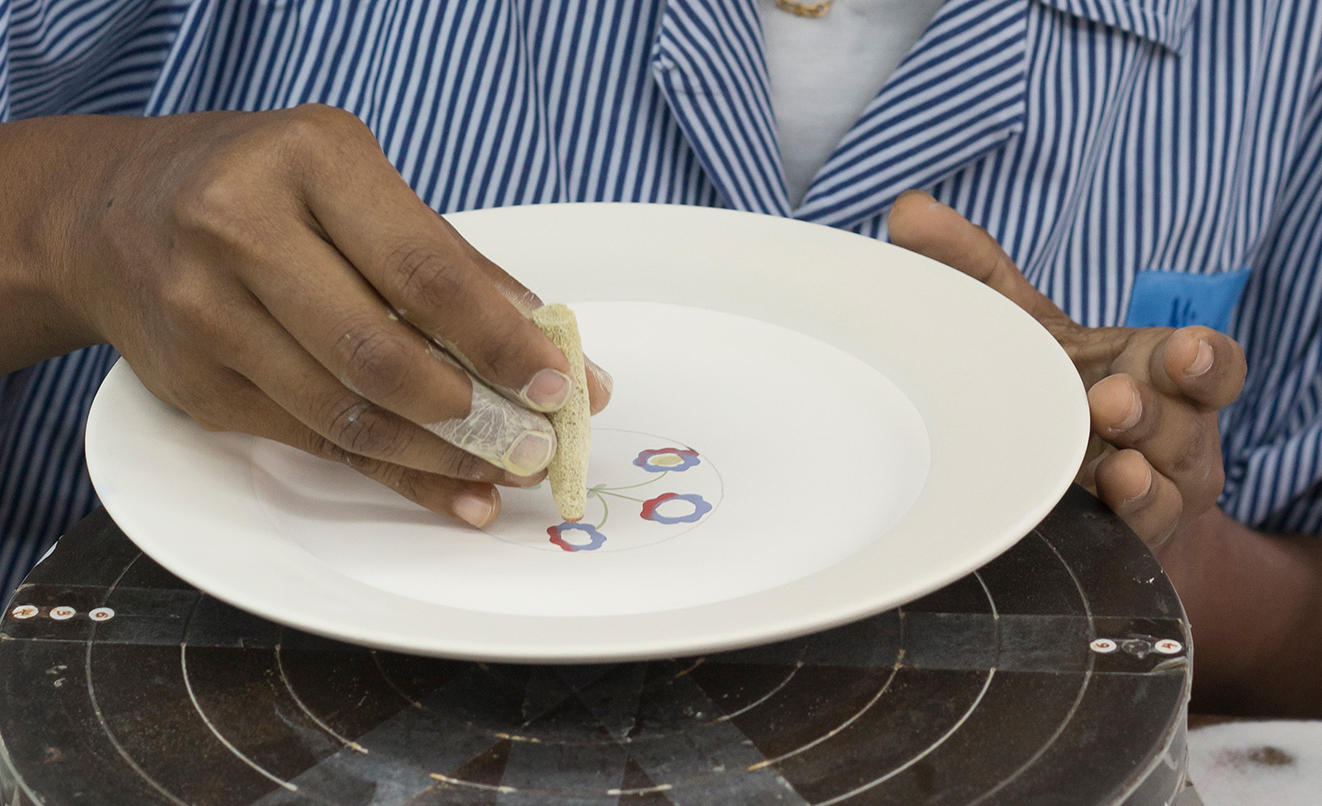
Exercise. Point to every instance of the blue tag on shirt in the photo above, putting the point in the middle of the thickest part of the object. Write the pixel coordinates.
(1177, 299)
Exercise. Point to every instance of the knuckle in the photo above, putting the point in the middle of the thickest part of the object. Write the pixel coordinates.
(206, 400)
(1174, 515)
(193, 315)
(1166, 527)
(402, 481)
(504, 350)
(397, 477)
(1154, 416)
(207, 199)
(464, 465)
(186, 303)
(1195, 454)
(311, 127)
(425, 277)
(374, 361)
(219, 207)
(197, 405)
(314, 141)
(361, 428)
(317, 445)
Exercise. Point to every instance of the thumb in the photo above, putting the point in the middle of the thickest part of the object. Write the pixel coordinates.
(924, 225)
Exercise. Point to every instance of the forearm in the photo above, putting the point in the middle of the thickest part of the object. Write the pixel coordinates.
(55, 172)
(1254, 602)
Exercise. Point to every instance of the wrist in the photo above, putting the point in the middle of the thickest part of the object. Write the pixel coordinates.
(1252, 600)
(1198, 560)
(56, 170)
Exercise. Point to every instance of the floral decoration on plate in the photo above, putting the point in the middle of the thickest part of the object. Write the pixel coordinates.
(665, 504)
(699, 507)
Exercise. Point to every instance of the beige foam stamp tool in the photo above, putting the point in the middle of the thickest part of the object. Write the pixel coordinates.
(568, 471)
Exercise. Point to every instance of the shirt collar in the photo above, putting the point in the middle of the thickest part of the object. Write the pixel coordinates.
(1162, 21)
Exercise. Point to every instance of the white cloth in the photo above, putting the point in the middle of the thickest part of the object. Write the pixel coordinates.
(1257, 763)
(825, 70)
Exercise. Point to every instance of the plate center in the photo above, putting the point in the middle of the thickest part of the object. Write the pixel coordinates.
(736, 456)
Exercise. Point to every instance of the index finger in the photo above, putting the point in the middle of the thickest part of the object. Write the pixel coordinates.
(924, 225)
(1203, 365)
(424, 270)
(600, 383)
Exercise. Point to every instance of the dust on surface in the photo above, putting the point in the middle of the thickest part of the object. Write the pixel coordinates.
(1269, 756)
(1261, 756)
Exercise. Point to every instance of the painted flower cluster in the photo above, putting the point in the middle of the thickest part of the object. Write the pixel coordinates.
(667, 508)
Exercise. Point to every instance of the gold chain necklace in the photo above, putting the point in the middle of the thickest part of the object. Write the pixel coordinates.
(817, 9)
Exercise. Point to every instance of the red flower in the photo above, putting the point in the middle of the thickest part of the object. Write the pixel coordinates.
(700, 508)
(557, 533)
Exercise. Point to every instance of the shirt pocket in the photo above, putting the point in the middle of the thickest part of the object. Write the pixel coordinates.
(1179, 299)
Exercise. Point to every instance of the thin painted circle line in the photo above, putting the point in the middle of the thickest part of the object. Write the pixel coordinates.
(12, 771)
(798, 664)
(968, 712)
(403, 695)
(1078, 698)
(100, 716)
(206, 720)
(991, 673)
(399, 692)
(995, 614)
(280, 667)
(895, 668)
(114, 741)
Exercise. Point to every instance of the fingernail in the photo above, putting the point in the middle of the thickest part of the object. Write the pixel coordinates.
(1201, 362)
(1147, 488)
(530, 453)
(475, 509)
(549, 389)
(515, 480)
(1135, 413)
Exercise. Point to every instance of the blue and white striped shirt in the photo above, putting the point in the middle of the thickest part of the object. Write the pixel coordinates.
(1099, 141)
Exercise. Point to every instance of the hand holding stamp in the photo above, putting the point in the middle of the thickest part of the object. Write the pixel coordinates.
(568, 471)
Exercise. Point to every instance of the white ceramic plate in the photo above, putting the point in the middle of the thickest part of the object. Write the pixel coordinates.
(808, 427)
